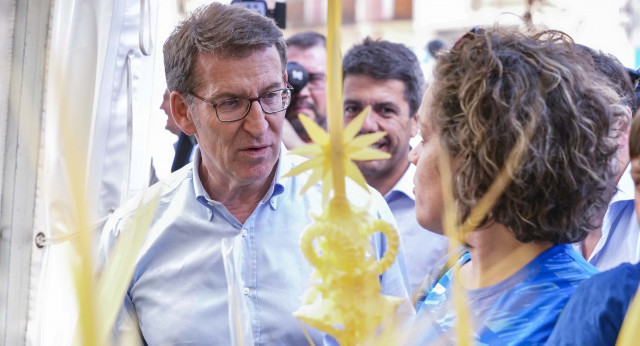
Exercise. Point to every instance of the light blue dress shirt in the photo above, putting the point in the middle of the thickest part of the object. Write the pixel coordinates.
(423, 249)
(179, 291)
(620, 242)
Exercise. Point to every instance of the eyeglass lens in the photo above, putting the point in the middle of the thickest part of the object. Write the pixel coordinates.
(317, 80)
(271, 102)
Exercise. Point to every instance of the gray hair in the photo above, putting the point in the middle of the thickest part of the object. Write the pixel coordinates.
(226, 31)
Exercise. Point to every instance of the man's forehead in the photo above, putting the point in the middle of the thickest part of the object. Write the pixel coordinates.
(311, 58)
(362, 86)
(222, 58)
(239, 77)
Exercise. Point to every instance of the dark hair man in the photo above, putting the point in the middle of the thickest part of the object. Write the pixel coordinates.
(387, 77)
(230, 207)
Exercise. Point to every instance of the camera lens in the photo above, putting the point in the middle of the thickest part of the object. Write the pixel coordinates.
(298, 76)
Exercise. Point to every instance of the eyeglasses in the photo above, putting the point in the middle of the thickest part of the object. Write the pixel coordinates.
(317, 80)
(237, 109)
(476, 30)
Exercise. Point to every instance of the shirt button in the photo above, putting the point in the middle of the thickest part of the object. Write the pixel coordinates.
(210, 203)
(244, 232)
(245, 290)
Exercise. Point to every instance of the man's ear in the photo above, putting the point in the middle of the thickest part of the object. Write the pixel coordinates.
(181, 114)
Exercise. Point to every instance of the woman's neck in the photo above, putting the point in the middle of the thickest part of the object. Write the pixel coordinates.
(496, 255)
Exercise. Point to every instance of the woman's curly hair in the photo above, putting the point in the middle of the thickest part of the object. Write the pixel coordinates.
(501, 89)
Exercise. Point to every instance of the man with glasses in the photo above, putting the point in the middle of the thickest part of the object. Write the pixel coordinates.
(309, 50)
(223, 252)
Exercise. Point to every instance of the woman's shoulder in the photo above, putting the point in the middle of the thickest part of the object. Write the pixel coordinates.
(564, 261)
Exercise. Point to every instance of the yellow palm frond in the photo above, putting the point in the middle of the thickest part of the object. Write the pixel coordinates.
(352, 148)
(629, 333)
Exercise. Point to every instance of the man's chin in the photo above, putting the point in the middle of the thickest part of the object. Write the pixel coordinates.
(308, 112)
(303, 108)
(321, 120)
(370, 168)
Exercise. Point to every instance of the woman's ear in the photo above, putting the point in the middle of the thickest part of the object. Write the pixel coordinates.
(414, 125)
(181, 113)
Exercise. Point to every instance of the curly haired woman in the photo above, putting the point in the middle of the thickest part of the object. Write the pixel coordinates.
(527, 104)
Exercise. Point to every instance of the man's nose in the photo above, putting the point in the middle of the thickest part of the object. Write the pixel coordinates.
(370, 123)
(304, 92)
(256, 121)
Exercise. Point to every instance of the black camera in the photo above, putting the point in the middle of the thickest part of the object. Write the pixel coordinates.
(298, 76)
(279, 13)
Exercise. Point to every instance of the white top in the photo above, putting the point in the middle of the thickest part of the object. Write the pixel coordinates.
(619, 242)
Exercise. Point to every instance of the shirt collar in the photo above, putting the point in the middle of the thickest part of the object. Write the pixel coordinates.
(625, 188)
(405, 184)
(201, 194)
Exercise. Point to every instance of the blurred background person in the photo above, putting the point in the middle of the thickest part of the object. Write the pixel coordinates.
(617, 240)
(309, 50)
(185, 146)
(434, 47)
(387, 77)
(526, 104)
(170, 126)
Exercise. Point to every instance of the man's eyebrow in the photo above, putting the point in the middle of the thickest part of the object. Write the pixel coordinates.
(226, 95)
(353, 102)
(384, 104)
(271, 87)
